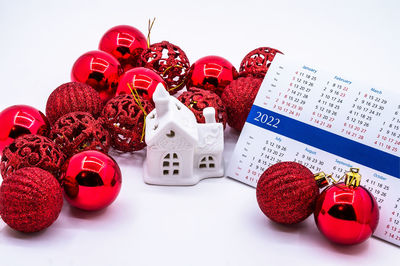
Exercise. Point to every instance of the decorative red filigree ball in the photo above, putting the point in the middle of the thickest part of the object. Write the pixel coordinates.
(170, 62)
(211, 73)
(91, 180)
(99, 70)
(287, 192)
(126, 44)
(73, 97)
(19, 120)
(197, 100)
(257, 62)
(30, 200)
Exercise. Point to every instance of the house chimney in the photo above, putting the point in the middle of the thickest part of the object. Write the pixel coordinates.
(209, 115)
(161, 99)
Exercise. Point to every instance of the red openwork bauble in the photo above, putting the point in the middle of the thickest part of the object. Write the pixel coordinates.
(32, 151)
(346, 215)
(79, 131)
(211, 73)
(142, 79)
(99, 70)
(238, 97)
(257, 62)
(170, 62)
(30, 200)
(91, 180)
(125, 43)
(124, 119)
(73, 97)
(197, 100)
(287, 192)
(20, 120)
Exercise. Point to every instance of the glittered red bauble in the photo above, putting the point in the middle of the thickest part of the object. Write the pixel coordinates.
(125, 43)
(142, 79)
(99, 70)
(79, 131)
(32, 151)
(91, 180)
(19, 120)
(287, 192)
(73, 97)
(124, 118)
(346, 215)
(170, 62)
(211, 73)
(197, 100)
(238, 98)
(257, 62)
(30, 200)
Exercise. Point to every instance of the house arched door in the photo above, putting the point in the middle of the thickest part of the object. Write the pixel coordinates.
(171, 164)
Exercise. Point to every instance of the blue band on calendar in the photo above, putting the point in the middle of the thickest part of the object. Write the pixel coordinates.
(324, 140)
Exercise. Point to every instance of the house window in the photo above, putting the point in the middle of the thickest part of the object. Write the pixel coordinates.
(207, 162)
(170, 164)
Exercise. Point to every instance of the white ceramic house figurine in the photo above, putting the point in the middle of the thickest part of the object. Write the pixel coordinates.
(181, 151)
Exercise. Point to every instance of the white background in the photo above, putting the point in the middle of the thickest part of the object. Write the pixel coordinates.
(216, 222)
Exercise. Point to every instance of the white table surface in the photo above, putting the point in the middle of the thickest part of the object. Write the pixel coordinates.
(216, 222)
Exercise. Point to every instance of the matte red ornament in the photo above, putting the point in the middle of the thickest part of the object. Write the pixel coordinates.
(346, 215)
(32, 151)
(124, 118)
(126, 44)
(238, 98)
(287, 192)
(257, 62)
(197, 100)
(80, 131)
(211, 73)
(19, 120)
(72, 97)
(99, 70)
(170, 62)
(143, 80)
(30, 200)
(91, 180)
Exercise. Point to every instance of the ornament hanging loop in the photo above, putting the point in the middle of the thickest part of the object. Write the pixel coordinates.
(149, 27)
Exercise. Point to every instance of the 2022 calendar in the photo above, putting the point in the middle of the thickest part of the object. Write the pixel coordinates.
(327, 122)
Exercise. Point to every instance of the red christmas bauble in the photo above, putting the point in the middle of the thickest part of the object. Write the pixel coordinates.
(20, 120)
(238, 98)
(142, 79)
(126, 44)
(346, 215)
(287, 192)
(257, 62)
(99, 70)
(73, 97)
(124, 118)
(197, 100)
(30, 200)
(170, 62)
(211, 73)
(91, 180)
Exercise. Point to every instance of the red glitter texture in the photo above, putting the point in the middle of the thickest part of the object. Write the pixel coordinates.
(197, 99)
(238, 97)
(287, 192)
(80, 131)
(30, 200)
(170, 62)
(72, 97)
(124, 120)
(32, 151)
(257, 62)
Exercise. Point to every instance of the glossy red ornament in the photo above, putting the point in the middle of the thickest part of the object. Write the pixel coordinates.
(212, 73)
(99, 70)
(125, 43)
(142, 79)
(91, 180)
(346, 215)
(20, 120)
